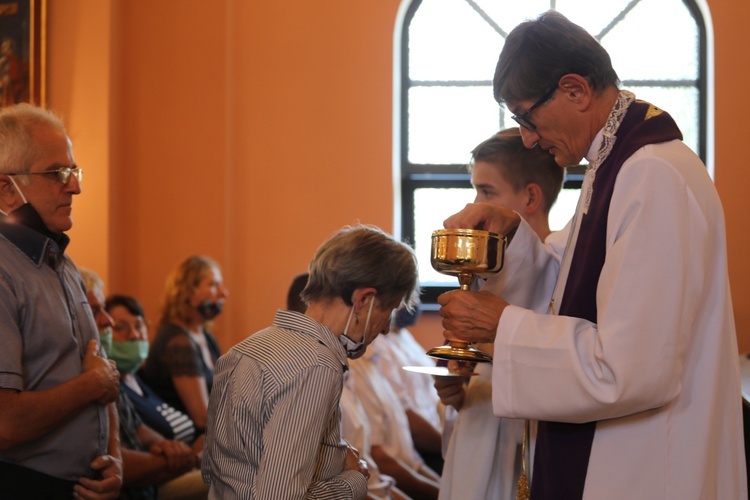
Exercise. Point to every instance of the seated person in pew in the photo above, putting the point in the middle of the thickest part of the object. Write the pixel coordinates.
(130, 323)
(391, 440)
(153, 467)
(180, 364)
(415, 390)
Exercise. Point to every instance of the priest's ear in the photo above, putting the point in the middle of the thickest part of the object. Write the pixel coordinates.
(576, 88)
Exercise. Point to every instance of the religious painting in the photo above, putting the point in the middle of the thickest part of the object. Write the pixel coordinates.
(22, 39)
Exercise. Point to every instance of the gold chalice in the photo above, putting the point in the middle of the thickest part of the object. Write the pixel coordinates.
(466, 253)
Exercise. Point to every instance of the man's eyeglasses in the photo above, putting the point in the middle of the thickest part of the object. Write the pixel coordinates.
(523, 118)
(63, 174)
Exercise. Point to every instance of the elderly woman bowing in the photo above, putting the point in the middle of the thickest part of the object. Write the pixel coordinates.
(274, 423)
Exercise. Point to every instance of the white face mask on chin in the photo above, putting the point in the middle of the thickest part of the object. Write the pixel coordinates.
(353, 347)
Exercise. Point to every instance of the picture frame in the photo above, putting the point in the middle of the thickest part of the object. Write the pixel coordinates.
(22, 51)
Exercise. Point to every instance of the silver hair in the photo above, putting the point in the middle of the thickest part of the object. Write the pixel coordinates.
(18, 150)
(91, 280)
(363, 256)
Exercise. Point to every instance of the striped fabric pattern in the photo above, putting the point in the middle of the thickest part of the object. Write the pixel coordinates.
(274, 422)
(156, 413)
(182, 426)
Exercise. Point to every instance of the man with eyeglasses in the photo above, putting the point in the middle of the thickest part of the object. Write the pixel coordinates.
(632, 375)
(58, 423)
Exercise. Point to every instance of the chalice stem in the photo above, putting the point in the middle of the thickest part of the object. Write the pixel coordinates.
(465, 280)
(458, 344)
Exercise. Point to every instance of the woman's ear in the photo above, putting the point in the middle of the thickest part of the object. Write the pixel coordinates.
(361, 297)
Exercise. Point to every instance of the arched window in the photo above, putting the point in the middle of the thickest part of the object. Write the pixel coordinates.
(445, 59)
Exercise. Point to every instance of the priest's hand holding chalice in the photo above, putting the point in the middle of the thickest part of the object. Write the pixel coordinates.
(472, 244)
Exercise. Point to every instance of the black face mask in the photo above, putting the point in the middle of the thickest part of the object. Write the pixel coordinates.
(209, 310)
(27, 215)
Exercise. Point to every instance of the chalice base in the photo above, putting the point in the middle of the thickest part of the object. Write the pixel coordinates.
(461, 352)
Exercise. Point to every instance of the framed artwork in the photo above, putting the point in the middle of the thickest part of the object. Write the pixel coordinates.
(22, 51)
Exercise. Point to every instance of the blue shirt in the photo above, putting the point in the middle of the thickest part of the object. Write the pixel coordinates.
(45, 325)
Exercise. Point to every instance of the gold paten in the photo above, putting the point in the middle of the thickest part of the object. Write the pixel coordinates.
(466, 253)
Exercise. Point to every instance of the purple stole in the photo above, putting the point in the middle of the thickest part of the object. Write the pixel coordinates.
(562, 449)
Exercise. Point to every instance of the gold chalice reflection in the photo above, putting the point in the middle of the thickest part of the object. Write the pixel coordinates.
(466, 253)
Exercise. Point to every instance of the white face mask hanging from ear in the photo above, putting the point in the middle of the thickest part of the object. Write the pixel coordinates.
(353, 347)
(25, 201)
(19, 192)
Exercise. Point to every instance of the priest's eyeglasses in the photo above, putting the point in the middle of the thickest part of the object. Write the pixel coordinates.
(523, 118)
(63, 174)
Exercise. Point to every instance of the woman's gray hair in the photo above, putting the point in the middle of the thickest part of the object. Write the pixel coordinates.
(363, 256)
(18, 150)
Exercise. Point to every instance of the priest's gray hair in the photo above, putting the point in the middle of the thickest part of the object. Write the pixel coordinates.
(537, 53)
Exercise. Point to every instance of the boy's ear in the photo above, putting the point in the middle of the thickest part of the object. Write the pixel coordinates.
(534, 198)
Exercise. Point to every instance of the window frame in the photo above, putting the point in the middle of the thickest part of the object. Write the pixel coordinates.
(409, 177)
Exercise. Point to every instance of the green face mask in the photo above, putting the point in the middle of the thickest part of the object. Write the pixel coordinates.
(105, 339)
(129, 354)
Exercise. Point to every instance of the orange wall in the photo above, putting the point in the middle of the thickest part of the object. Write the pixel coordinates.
(78, 76)
(732, 180)
(251, 130)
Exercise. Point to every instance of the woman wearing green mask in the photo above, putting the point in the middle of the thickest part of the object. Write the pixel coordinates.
(160, 426)
(129, 350)
(159, 461)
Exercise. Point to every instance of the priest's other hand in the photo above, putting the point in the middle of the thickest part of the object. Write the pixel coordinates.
(485, 216)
